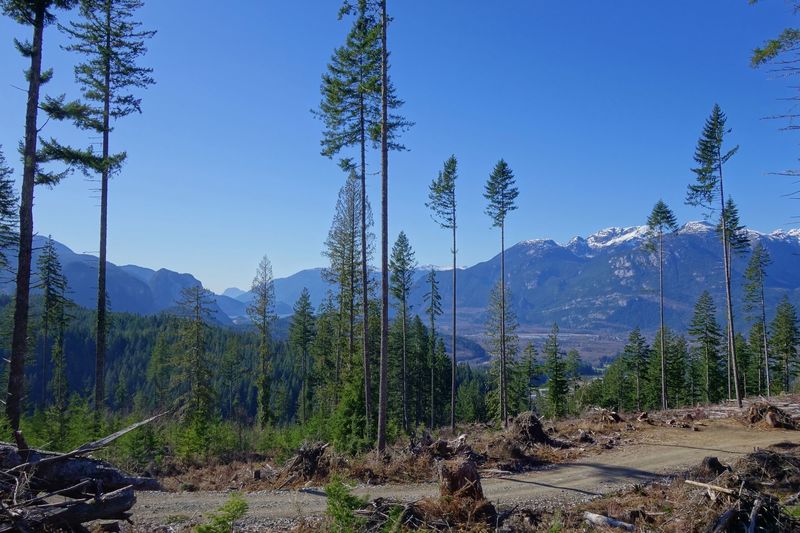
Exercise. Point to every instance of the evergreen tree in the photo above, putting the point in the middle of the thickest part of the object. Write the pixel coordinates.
(636, 354)
(403, 265)
(356, 98)
(501, 334)
(433, 308)
(301, 336)
(501, 192)
(755, 303)
(759, 365)
(709, 188)
(527, 372)
(37, 14)
(59, 386)
(159, 369)
(736, 233)
(705, 332)
(661, 220)
(53, 285)
(745, 363)
(557, 386)
(343, 250)
(677, 362)
(784, 341)
(262, 312)
(442, 201)
(325, 354)
(111, 42)
(8, 210)
(230, 370)
(193, 368)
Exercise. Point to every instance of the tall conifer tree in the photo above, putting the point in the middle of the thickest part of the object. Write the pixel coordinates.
(661, 220)
(708, 189)
(433, 308)
(557, 386)
(53, 285)
(705, 332)
(262, 313)
(9, 214)
(755, 302)
(501, 192)
(111, 42)
(352, 111)
(301, 336)
(442, 201)
(37, 14)
(402, 265)
(636, 353)
(785, 339)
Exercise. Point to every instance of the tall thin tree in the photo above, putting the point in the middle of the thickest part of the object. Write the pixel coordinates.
(661, 220)
(262, 313)
(402, 265)
(501, 192)
(433, 308)
(754, 300)
(442, 201)
(352, 112)
(111, 42)
(9, 210)
(37, 14)
(709, 188)
(53, 285)
(301, 335)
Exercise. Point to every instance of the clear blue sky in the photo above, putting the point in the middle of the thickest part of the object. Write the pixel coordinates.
(595, 105)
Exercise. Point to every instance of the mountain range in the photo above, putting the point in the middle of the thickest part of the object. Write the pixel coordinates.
(601, 285)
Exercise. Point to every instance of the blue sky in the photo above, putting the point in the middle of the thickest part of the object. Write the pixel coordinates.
(596, 106)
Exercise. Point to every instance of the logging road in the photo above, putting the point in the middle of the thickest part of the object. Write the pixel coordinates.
(664, 451)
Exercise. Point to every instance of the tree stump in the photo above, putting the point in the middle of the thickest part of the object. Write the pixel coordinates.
(459, 478)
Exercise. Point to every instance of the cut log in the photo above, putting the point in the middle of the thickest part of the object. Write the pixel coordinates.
(600, 520)
(53, 471)
(98, 491)
(710, 487)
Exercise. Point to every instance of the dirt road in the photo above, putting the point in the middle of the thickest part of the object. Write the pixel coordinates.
(662, 452)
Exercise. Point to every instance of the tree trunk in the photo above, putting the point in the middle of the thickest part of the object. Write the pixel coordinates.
(405, 377)
(100, 344)
(19, 339)
(727, 267)
(453, 373)
(365, 278)
(764, 337)
(661, 314)
(433, 360)
(503, 376)
(383, 392)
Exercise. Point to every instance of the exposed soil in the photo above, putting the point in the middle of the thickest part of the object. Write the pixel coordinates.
(655, 452)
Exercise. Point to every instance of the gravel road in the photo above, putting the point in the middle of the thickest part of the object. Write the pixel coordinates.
(665, 451)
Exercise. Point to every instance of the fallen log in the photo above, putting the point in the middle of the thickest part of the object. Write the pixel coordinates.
(600, 520)
(94, 489)
(52, 471)
(709, 486)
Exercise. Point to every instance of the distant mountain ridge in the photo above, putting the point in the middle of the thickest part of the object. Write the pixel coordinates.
(603, 283)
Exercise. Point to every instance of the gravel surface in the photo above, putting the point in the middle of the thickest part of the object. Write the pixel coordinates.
(665, 451)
